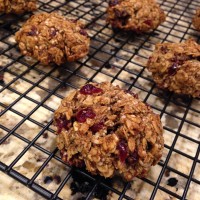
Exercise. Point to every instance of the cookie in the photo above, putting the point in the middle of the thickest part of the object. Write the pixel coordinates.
(17, 6)
(109, 131)
(196, 20)
(176, 67)
(135, 15)
(51, 38)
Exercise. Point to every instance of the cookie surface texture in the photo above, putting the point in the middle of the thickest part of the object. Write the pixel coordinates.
(51, 38)
(109, 131)
(176, 67)
(135, 15)
(17, 6)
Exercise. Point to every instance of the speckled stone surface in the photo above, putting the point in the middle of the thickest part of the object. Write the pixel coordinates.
(12, 189)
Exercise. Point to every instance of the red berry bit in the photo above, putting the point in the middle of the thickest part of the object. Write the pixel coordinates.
(133, 158)
(90, 89)
(148, 22)
(122, 147)
(173, 69)
(97, 127)
(61, 123)
(85, 113)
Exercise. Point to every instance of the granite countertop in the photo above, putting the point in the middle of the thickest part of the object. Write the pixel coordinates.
(34, 158)
(55, 172)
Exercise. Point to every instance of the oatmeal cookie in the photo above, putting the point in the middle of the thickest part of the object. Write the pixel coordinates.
(196, 20)
(176, 67)
(135, 15)
(109, 131)
(51, 38)
(17, 6)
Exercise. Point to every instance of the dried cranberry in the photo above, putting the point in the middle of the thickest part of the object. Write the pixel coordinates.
(90, 89)
(113, 2)
(61, 123)
(122, 147)
(133, 158)
(97, 127)
(83, 32)
(85, 113)
(173, 69)
(131, 93)
(33, 31)
(148, 22)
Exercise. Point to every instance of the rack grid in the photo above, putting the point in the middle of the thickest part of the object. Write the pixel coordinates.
(30, 93)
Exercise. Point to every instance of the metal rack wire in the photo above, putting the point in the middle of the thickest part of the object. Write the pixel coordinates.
(114, 56)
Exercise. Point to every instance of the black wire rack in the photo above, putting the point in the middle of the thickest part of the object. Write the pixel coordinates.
(30, 93)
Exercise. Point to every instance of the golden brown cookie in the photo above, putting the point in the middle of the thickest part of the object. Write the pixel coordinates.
(51, 38)
(17, 6)
(196, 20)
(135, 15)
(176, 67)
(109, 131)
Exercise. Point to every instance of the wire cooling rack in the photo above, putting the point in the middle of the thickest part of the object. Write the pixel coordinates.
(30, 93)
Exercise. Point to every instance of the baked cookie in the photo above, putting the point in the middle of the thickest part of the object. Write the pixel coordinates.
(109, 131)
(176, 67)
(135, 15)
(17, 6)
(196, 20)
(51, 38)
